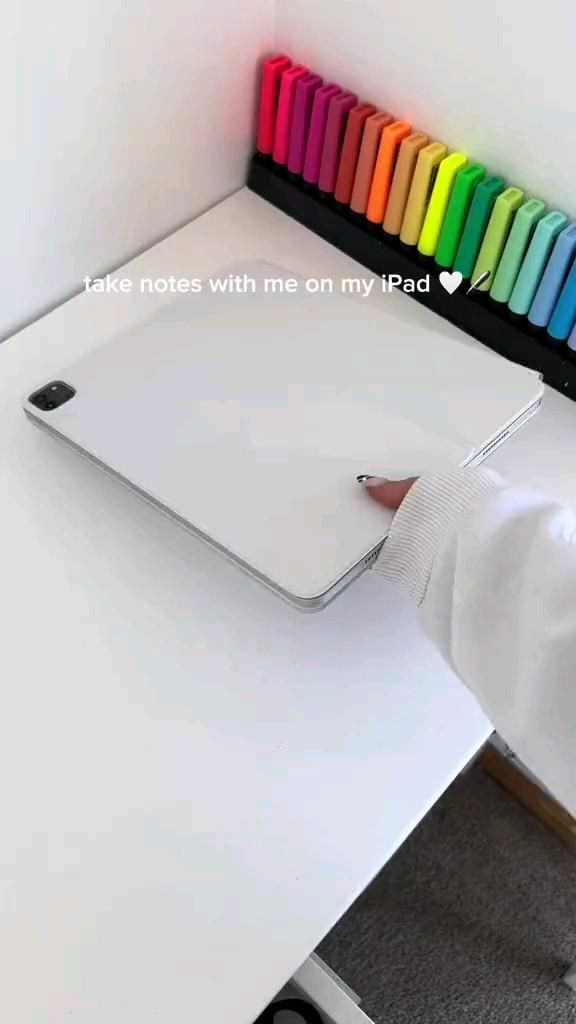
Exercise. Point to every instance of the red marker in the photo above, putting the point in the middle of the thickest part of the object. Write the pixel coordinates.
(350, 150)
(272, 71)
(288, 84)
(338, 110)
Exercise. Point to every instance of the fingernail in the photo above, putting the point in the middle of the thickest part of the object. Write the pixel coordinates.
(370, 481)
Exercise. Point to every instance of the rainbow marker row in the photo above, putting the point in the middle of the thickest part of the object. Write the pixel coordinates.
(439, 203)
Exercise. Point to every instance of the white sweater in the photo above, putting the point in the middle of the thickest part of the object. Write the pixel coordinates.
(493, 569)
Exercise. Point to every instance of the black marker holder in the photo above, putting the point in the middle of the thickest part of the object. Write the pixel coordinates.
(476, 314)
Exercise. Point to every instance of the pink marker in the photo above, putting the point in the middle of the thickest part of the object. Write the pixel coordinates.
(317, 131)
(288, 84)
(306, 89)
(338, 110)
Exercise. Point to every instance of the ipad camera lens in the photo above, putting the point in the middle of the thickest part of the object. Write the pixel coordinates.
(52, 396)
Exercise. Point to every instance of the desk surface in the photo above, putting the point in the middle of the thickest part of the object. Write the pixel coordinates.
(196, 780)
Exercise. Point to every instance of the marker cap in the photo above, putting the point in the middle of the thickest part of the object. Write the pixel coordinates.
(272, 71)
(535, 260)
(564, 314)
(466, 181)
(521, 232)
(351, 150)
(367, 159)
(481, 207)
(402, 180)
(494, 240)
(305, 90)
(572, 340)
(553, 278)
(288, 83)
(318, 119)
(338, 110)
(392, 135)
(422, 184)
(436, 212)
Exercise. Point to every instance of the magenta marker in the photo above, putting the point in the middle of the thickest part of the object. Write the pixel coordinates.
(338, 110)
(306, 89)
(317, 131)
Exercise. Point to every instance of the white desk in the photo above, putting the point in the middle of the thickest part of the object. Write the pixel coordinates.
(196, 780)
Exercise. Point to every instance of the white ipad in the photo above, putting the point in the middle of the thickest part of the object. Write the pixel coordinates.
(247, 416)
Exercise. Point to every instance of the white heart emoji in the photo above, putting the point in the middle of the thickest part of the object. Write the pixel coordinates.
(451, 281)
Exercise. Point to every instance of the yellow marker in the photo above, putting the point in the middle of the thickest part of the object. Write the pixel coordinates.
(496, 234)
(434, 219)
(422, 183)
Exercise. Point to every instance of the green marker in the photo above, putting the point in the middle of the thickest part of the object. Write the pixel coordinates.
(524, 222)
(466, 181)
(480, 209)
(535, 261)
(497, 231)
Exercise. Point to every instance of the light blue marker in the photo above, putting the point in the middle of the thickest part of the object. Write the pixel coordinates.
(572, 339)
(557, 267)
(564, 314)
(535, 261)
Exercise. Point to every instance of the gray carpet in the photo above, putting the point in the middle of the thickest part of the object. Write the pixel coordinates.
(474, 919)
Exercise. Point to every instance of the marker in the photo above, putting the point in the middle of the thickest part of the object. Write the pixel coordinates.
(392, 135)
(338, 110)
(350, 151)
(272, 71)
(401, 181)
(466, 181)
(306, 89)
(422, 183)
(496, 234)
(535, 261)
(553, 278)
(318, 119)
(447, 171)
(522, 229)
(572, 340)
(483, 200)
(564, 313)
(367, 159)
(288, 84)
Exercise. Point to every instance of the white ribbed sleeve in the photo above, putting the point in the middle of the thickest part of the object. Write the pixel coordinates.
(432, 510)
(493, 570)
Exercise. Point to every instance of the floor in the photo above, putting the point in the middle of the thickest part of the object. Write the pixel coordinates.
(474, 919)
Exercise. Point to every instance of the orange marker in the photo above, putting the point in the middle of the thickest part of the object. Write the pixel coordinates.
(367, 159)
(391, 138)
(405, 165)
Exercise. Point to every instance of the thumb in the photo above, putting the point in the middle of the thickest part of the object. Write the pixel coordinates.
(389, 493)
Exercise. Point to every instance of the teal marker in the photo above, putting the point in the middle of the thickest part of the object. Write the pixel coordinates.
(466, 181)
(483, 200)
(535, 261)
(522, 229)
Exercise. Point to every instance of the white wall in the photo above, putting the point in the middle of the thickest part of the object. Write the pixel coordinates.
(495, 79)
(121, 119)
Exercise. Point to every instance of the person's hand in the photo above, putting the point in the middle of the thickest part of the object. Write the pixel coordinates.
(389, 493)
